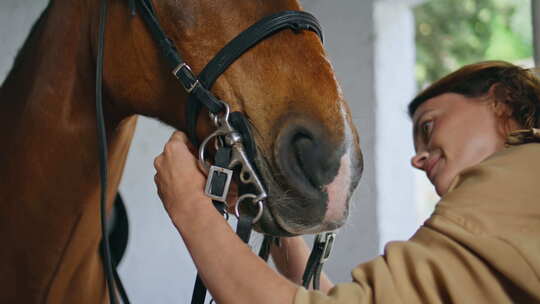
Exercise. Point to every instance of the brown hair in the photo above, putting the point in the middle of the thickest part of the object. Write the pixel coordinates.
(516, 87)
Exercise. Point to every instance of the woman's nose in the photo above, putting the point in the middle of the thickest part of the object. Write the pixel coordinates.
(418, 161)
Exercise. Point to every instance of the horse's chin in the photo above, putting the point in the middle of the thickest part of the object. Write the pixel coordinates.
(276, 225)
(268, 224)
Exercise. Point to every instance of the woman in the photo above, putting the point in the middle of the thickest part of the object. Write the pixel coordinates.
(482, 243)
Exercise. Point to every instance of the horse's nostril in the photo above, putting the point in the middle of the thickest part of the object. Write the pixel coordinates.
(307, 158)
(305, 152)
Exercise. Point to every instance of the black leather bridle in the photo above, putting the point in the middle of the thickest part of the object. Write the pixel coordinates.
(233, 139)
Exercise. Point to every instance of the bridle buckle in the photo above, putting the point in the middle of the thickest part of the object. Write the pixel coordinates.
(184, 73)
(327, 239)
(218, 183)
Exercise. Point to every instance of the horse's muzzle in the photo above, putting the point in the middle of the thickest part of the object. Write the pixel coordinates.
(307, 159)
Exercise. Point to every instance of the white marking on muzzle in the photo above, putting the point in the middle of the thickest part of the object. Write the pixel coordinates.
(338, 191)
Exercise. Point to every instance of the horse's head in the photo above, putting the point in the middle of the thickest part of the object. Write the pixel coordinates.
(308, 148)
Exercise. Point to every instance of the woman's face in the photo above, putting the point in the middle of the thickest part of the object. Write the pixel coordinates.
(453, 132)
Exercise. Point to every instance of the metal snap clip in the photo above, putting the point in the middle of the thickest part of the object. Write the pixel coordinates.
(327, 240)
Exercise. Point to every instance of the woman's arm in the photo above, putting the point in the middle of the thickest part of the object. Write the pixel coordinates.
(231, 272)
(291, 258)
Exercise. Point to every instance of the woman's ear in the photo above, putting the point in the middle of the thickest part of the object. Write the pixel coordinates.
(497, 98)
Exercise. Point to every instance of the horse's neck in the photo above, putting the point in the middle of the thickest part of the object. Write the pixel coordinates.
(48, 109)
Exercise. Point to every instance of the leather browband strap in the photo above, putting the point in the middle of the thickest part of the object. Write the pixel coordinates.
(295, 20)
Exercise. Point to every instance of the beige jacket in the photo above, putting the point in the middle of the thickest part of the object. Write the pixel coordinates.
(481, 245)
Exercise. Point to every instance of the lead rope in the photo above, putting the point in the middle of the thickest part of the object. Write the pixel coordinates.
(110, 274)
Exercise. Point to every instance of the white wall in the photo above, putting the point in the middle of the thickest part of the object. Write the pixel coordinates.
(16, 19)
(395, 88)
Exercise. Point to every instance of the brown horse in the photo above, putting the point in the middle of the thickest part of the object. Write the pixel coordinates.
(49, 214)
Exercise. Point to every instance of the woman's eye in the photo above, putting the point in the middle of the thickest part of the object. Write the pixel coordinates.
(426, 127)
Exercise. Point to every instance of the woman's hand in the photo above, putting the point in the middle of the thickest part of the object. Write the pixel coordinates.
(179, 181)
(178, 178)
(233, 274)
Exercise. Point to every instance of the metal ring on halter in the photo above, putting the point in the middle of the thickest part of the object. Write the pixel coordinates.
(221, 130)
(252, 196)
(214, 118)
(218, 143)
(205, 167)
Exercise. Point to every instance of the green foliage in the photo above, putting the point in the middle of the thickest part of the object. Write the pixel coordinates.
(452, 33)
